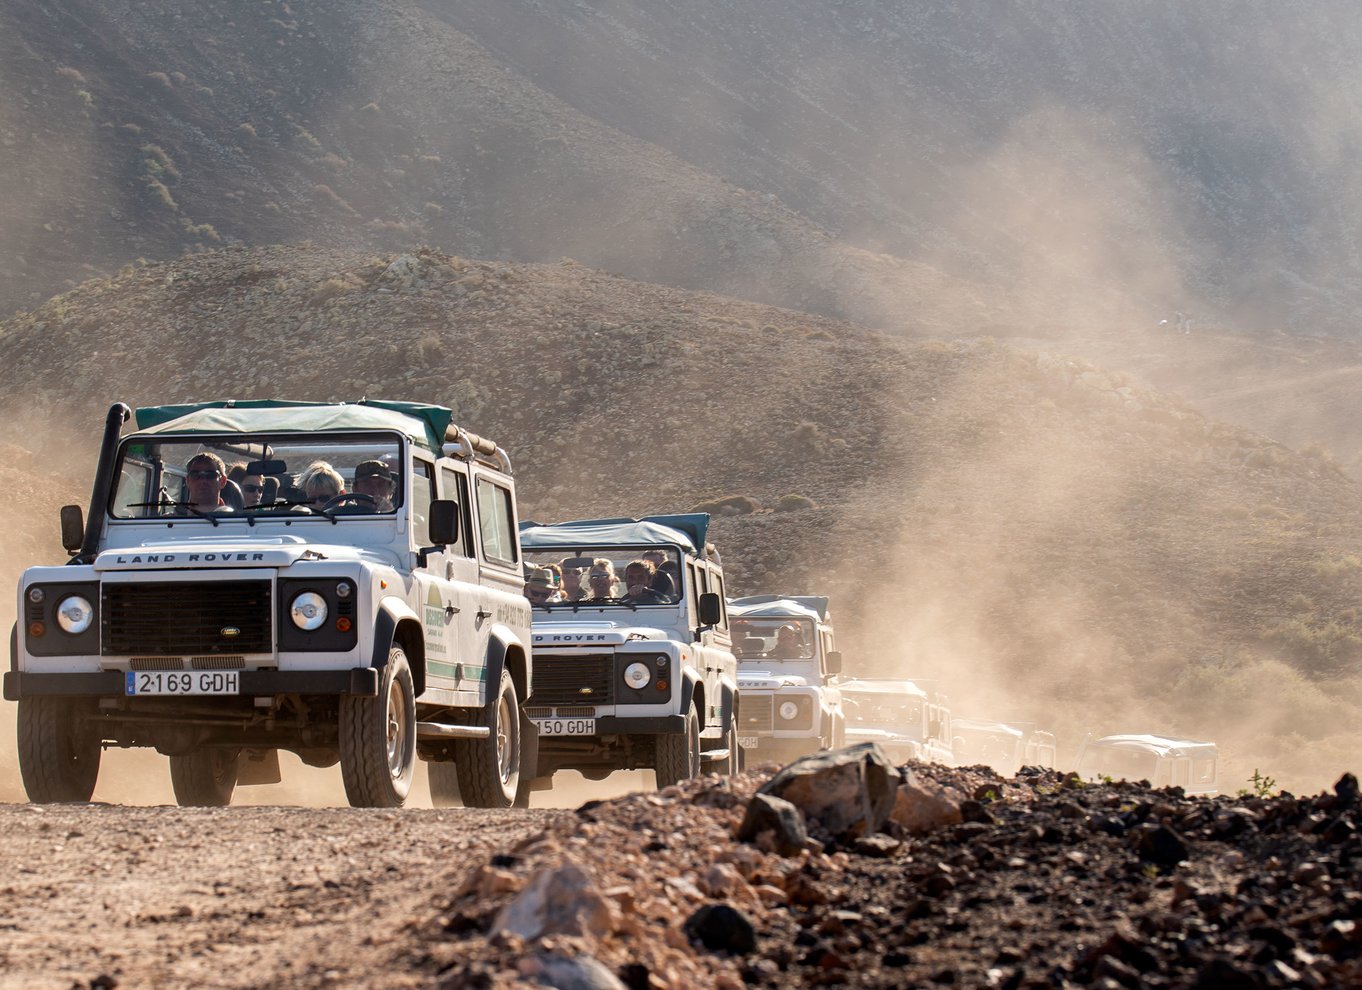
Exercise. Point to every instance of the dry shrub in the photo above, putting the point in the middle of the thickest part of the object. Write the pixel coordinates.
(793, 503)
(1318, 647)
(247, 129)
(161, 78)
(332, 288)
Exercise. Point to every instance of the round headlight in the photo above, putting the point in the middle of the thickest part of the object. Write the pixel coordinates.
(788, 710)
(36, 595)
(75, 614)
(308, 611)
(637, 676)
(343, 590)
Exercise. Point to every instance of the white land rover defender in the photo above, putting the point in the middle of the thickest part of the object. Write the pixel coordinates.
(633, 668)
(908, 721)
(356, 598)
(789, 704)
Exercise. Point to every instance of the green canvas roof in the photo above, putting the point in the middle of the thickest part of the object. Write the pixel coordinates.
(424, 424)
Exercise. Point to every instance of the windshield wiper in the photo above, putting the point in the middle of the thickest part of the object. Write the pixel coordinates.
(210, 516)
(312, 510)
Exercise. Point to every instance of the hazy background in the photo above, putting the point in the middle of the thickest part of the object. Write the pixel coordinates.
(1044, 312)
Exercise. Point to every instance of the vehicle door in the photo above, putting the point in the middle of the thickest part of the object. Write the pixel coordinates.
(501, 582)
(432, 590)
(456, 569)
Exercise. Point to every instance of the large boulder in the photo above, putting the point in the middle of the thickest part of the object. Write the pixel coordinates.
(922, 805)
(843, 794)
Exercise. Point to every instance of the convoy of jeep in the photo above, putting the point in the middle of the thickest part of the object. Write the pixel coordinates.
(366, 596)
(1162, 761)
(789, 703)
(364, 629)
(907, 721)
(632, 675)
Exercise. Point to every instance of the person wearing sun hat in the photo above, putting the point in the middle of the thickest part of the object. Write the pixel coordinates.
(376, 480)
(541, 587)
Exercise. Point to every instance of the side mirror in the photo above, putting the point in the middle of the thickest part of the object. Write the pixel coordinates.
(444, 522)
(72, 528)
(711, 609)
(834, 661)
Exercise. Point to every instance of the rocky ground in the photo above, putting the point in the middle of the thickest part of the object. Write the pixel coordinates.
(835, 872)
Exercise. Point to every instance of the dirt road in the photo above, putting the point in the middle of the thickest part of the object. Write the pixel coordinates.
(232, 897)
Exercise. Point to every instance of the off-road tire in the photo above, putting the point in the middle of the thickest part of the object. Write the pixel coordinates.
(529, 761)
(205, 778)
(57, 760)
(444, 784)
(677, 756)
(489, 769)
(378, 739)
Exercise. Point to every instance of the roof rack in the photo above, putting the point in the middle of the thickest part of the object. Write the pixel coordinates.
(471, 447)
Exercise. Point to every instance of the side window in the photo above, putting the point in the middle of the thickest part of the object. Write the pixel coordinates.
(496, 522)
(422, 494)
(454, 484)
(717, 581)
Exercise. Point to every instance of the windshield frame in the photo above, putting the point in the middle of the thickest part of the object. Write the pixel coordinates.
(258, 440)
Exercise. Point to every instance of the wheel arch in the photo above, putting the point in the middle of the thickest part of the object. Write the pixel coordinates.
(396, 624)
(506, 652)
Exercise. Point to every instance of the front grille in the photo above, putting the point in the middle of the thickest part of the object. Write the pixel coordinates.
(217, 663)
(177, 618)
(576, 711)
(574, 680)
(754, 713)
(156, 663)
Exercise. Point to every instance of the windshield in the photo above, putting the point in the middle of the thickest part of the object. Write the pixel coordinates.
(603, 577)
(249, 475)
(876, 709)
(773, 638)
(1119, 763)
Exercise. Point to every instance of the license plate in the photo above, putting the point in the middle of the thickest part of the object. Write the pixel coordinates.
(150, 682)
(565, 726)
(749, 742)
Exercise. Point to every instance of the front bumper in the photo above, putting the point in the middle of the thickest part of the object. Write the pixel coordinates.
(362, 681)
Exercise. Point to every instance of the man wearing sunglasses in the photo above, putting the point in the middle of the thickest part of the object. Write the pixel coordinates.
(541, 588)
(205, 477)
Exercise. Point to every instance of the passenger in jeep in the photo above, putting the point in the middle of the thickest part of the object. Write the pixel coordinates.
(638, 581)
(788, 644)
(601, 579)
(321, 483)
(372, 478)
(205, 478)
(573, 570)
(662, 580)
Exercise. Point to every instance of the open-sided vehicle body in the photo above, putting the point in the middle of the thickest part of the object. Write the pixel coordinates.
(1004, 746)
(907, 720)
(788, 703)
(641, 679)
(350, 627)
(1162, 761)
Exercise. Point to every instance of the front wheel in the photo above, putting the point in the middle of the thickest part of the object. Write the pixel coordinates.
(58, 757)
(205, 778)
(378, 739)
(489, 769)
(678, 756)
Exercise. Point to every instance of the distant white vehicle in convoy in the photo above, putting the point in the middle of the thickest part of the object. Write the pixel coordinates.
(789, 704)
(1162, 761)
(372, 617)
(1004, 746)
(907, 721)
(633, 663)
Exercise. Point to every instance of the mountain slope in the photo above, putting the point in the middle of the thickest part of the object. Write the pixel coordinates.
(1037, 532)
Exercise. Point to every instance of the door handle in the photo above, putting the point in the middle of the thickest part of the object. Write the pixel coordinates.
(452, 610)
(483, 615)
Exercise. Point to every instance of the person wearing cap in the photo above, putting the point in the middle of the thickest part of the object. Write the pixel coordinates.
(376, 480)
(541, 588)
(788, 643)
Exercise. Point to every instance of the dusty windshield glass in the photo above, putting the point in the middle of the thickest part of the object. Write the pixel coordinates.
(248, 476)
(605, 577)
(773, 638)
(871, 709)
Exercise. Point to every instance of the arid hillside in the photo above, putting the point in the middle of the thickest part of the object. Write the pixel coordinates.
(1042, 535)
(1046, 168)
